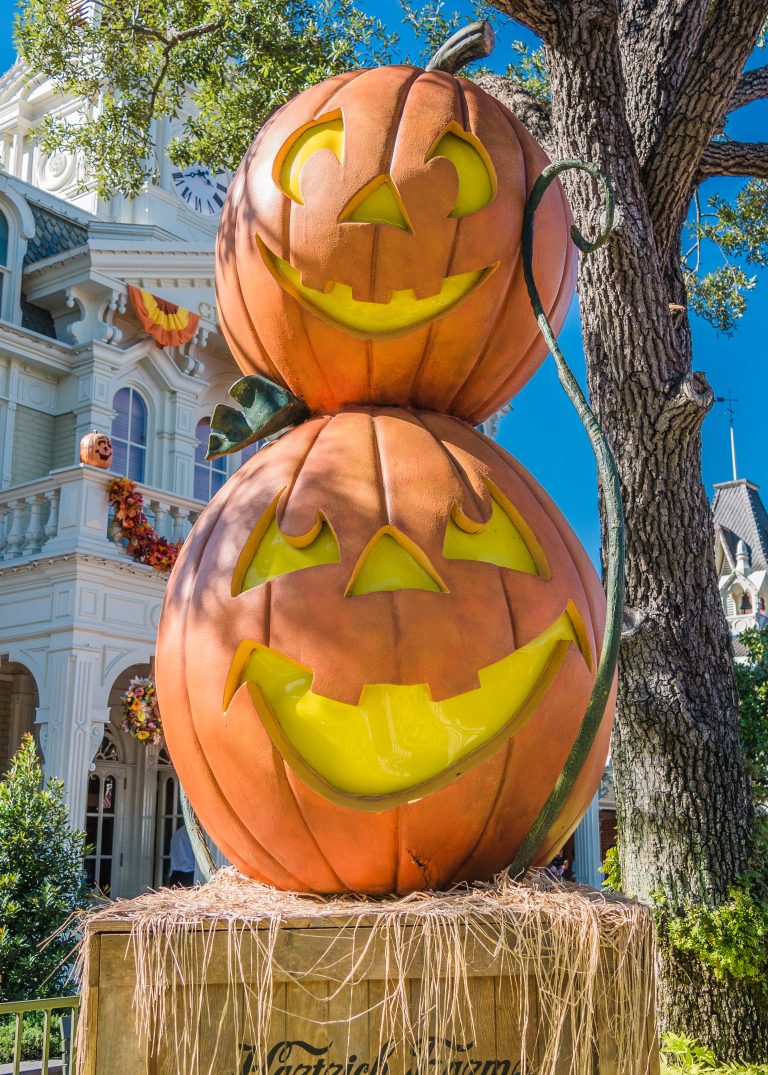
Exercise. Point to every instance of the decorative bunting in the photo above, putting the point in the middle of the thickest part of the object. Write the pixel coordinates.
(167, 323)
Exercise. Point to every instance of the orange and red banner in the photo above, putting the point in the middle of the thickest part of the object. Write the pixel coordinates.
(167, 323)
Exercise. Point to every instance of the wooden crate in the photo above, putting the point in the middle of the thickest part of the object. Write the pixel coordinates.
(320, 1026)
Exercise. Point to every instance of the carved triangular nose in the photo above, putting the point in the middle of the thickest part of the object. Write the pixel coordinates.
(379, 202)
(391, 561)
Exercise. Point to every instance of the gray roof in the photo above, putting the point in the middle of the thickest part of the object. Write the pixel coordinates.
(53, 235)
(737, 508)
(738, 647)
(730, 541)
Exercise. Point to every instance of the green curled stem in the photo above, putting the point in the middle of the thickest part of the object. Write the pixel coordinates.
(610, 486)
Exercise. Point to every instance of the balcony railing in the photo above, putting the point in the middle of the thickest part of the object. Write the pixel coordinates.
(68, 511)
(64, 1008)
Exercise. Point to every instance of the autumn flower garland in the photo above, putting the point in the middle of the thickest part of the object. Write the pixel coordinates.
(145, 545)
(141, 717)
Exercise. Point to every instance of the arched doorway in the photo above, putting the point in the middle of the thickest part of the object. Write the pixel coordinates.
(146, 809)
(18, 703)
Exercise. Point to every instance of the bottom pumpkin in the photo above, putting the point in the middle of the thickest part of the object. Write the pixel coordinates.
(376, 649)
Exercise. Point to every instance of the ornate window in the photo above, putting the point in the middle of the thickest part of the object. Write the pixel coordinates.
(210, 474)
(168, 818)
(129, 434)
(100, 821)
(4, 255)
(109, 750)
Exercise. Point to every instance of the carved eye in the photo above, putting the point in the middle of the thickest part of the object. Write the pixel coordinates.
(505, 540)
(269, 552)
(477, 177)
(325, 132)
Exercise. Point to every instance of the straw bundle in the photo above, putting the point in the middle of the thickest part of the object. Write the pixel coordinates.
(576, 966)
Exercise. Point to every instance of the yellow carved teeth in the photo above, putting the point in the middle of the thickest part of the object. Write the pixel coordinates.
(397, 743)
(402, 313)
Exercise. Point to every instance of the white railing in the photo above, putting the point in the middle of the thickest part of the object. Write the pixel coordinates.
(68, 511)
(29, 517)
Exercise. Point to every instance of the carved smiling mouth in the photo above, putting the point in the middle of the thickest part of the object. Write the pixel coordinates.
(402, 313)
(398, 744)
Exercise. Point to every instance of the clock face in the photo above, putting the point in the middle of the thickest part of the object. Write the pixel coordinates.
(201, 189)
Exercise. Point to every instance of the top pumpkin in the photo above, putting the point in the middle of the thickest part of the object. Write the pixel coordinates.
(370, 246)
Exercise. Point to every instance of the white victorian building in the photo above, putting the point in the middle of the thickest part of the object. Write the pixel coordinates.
(78, 616)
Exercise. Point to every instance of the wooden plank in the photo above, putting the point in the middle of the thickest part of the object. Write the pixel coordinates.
(118, 1051)
(515, 1016)
(386, 1044)
(91, 1014)
(325, 950)
(348, 1025)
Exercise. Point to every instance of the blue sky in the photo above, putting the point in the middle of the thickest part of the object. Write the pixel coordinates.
(542, 430)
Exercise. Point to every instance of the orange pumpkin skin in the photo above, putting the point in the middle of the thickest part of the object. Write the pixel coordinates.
(96, 450)
(468, 361)
(362, 470)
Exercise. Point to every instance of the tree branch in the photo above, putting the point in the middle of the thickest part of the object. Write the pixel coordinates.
(531, 112)
(752, 86)
(541, 16)
(470, 43)
(174, 37)
(734, 158)
(713, 74)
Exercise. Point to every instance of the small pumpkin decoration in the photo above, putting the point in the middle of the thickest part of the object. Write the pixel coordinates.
(375, 652)
(370, 247)
(96, 450)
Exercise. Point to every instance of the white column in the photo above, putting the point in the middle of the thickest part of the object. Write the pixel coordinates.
(586, 852)
(72, 724)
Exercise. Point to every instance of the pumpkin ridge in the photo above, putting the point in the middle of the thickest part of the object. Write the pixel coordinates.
(307, 828)
(287, 215)
(274, 372)
(564, 287)
(546, 506)
(508, 748)
(383, 485)
(426, 352)
(515, 268)
(282, 505)
(233, 281)
(470, 494)
(392, 137)
(233, 819)
(277, 757)
(481, 352)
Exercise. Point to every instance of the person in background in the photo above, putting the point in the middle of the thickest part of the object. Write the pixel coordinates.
(182, 873)
(557, 867)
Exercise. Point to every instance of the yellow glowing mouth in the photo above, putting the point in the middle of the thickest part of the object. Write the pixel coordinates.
(397, 744)
(402, 313)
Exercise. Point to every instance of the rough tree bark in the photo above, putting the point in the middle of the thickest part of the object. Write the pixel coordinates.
(640, 88)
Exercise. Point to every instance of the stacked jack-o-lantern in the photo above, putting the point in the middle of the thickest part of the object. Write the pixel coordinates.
(380, 638)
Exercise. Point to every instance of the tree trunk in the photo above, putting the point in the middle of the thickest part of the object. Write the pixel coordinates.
(685, 813)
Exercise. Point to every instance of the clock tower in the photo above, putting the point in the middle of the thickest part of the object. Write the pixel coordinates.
(183, 203)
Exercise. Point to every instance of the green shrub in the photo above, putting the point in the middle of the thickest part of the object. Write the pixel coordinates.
(684, 1056)
(41, 881)
(731, 938)
(31, 1036)
(611, 869)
